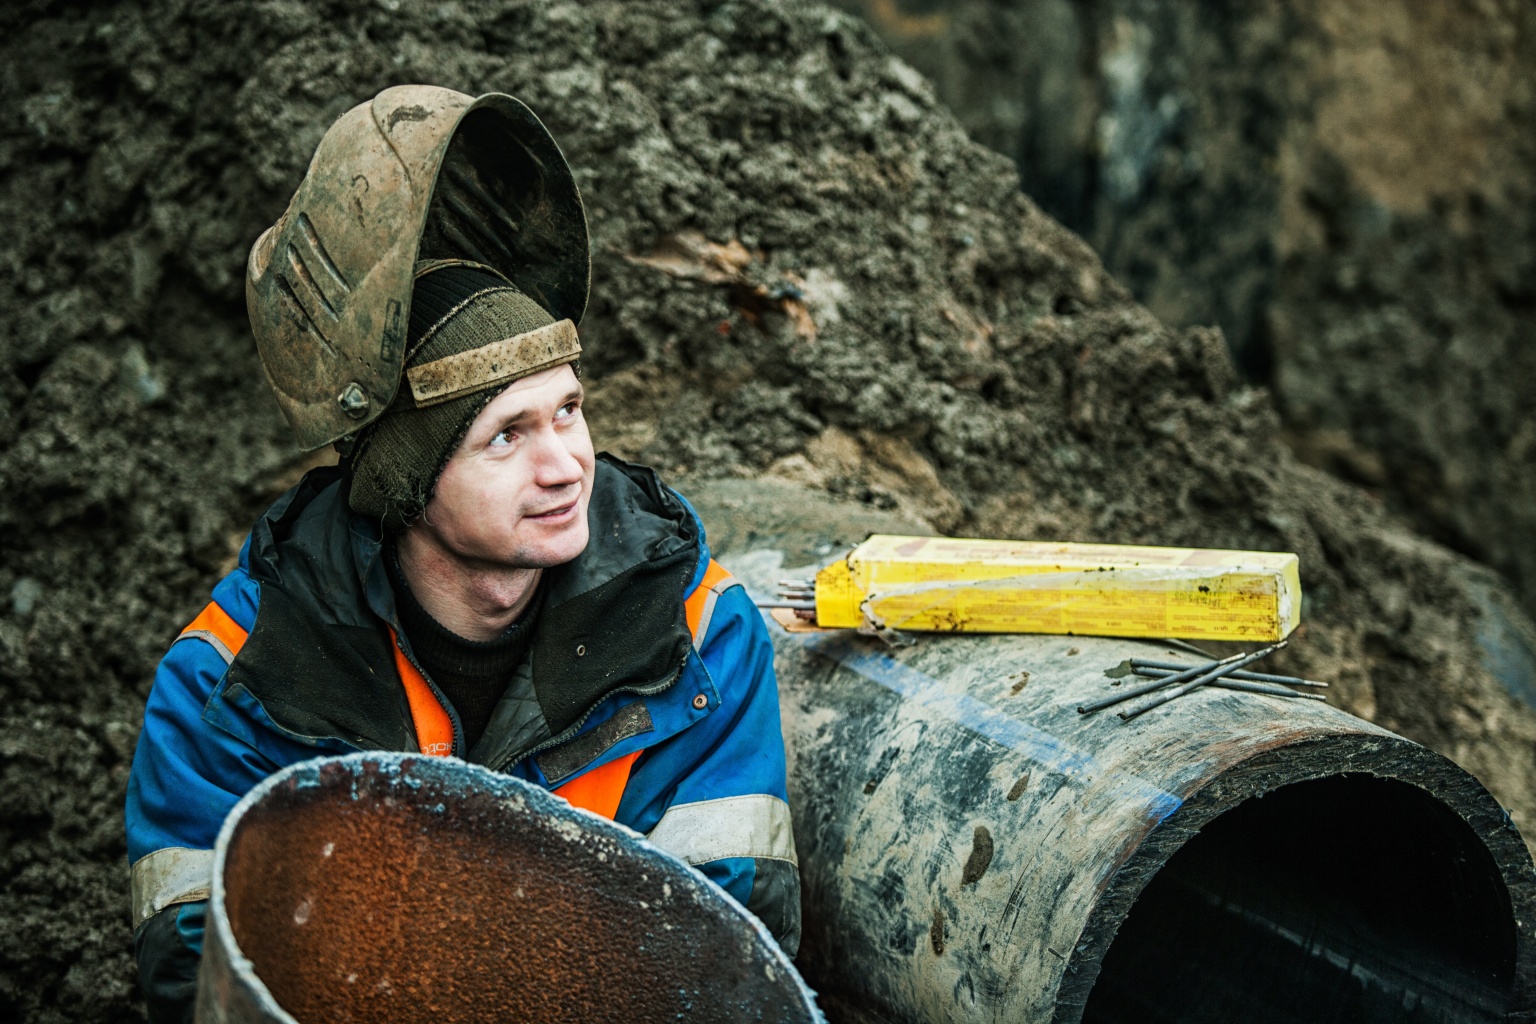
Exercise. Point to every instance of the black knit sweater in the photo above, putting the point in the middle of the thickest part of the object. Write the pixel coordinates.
(472, 674)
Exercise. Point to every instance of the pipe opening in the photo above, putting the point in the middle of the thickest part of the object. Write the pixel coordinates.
(1350, 898)
(434, 893)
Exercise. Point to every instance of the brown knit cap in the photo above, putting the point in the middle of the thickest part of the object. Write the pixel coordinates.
(455, 307)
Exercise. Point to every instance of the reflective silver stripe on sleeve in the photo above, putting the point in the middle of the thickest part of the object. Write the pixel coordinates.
(709, 606)
(217, 644)
(733, 826)
(167, 877)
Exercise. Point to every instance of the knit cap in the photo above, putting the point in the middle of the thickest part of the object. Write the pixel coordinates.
(461, 309)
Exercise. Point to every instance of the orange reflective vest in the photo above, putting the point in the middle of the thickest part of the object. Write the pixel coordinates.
(598, 790)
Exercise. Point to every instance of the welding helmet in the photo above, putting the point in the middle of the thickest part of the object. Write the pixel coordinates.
(417, 173)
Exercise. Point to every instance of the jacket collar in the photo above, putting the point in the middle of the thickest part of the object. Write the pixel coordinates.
(613, 617)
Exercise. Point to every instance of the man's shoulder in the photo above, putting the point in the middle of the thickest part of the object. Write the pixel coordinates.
(310, 531)
(623, 488)
(302, 650)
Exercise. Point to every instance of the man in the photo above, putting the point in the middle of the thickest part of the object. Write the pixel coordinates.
(471, 580)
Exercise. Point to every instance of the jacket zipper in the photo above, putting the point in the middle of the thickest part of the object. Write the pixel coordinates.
(575, 727)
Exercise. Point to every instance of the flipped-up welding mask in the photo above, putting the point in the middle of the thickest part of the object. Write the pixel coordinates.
(472, 332)
(418, 174)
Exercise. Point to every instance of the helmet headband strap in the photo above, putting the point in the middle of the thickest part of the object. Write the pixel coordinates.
(465, 373)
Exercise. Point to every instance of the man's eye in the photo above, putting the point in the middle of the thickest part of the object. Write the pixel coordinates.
(503, 438)
(566, 411)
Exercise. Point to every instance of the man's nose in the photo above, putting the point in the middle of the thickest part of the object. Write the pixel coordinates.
(555, 464)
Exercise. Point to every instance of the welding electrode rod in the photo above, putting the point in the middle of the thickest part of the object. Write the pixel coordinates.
(801, 606)
(1252, 677)
(1232, 681)
(1266, 689)
(806, 584)
(1195, 684)
(1247, 677)
(1137, 691)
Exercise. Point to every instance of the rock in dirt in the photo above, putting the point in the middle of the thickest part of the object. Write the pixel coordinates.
(804, 271)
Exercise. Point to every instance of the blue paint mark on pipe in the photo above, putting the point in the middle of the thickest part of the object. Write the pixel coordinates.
(1036, 744)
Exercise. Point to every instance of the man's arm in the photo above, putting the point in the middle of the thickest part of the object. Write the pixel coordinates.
(714, 795)
(186, 777)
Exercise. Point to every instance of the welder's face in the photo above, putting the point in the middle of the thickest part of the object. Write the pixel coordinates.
(515, 493)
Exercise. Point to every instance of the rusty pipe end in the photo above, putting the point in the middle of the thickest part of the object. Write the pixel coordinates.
(396, 887)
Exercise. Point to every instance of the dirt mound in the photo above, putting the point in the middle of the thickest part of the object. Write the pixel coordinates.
(803, 269)
(1344, 189)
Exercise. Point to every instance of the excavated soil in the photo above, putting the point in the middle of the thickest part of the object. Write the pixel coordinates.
(804, 272)
(1345, 189)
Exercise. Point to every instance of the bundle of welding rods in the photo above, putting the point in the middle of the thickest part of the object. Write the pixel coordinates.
(798, 596)
(1228, 673)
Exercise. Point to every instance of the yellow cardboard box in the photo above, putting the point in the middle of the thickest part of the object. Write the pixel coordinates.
(949, 584)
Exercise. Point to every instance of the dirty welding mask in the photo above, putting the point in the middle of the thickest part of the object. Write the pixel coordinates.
(417, 173)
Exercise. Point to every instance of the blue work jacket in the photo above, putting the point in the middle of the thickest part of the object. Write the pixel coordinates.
(295, 657)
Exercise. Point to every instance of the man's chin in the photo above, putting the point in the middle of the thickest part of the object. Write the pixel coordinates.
(554, 547)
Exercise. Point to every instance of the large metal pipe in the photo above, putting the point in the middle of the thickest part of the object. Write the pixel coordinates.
(401, 889)
(974, 849)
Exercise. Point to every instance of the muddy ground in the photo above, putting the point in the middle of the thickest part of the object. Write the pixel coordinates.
(804, 272)
(1345, 189)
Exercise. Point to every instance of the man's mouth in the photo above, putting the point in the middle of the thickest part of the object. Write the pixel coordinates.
(553, 514)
